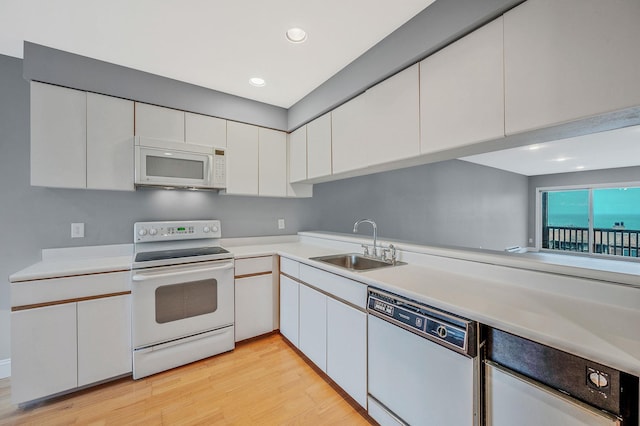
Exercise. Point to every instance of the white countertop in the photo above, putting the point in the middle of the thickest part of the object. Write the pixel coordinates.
(573, 306)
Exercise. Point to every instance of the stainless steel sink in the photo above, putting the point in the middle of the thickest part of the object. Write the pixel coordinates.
(354, 261)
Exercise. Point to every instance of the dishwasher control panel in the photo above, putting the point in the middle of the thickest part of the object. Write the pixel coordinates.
(447, 329)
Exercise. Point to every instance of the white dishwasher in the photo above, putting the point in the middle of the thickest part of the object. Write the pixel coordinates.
(423, 368)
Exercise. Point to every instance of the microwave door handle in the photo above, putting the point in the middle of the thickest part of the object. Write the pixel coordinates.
(209, 170)
(153, 275)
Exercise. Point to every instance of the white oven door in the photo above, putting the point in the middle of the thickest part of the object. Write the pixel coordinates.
(179, 301)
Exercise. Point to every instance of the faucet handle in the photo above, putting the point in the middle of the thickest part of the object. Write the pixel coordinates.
(366, 249)
(392, 250)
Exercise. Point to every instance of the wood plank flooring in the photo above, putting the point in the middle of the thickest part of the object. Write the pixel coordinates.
(262, 382)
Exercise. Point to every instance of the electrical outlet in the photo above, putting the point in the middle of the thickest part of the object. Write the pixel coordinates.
(530, 240)
(280, 223)
(77, 230)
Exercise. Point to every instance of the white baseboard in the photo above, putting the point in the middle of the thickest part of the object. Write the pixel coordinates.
(5, 368)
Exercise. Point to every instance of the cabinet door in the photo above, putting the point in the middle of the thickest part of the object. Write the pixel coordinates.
(393, 118)
(462, 91)
(379, 126)
(300, 190)
(313, 326)
(104, 338)
(242, 159)
(347, 349)
(298, 155)
(272, 168)
(43, 352)
(319, 147)
(204, 130)
(159, 123)
(109, 143)
(58, 136)
(289, 309)
(349, 135)
(254, 306)
(570, 59)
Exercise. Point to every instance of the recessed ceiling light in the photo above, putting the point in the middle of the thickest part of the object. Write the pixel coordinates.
(296, 35)
(560, 159)
(257, 81)
(579, 167)
(533, 147)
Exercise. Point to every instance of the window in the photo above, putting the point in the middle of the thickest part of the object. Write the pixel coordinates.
(591, 220)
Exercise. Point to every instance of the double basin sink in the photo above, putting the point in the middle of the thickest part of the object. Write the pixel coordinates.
(355, 262)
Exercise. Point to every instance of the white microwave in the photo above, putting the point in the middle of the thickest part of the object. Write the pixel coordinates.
(179, 165)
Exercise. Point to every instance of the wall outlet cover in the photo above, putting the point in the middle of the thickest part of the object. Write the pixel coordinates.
(280, 223)
(77, 230)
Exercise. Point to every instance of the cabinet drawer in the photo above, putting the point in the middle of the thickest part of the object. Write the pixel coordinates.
(253, 265)
(68, 288)
(290, 267)
(340, 287)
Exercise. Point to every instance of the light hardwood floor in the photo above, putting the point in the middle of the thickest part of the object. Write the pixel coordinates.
(262, 382)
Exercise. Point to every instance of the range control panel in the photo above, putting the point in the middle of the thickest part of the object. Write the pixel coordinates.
(444, 328)
(176, 230)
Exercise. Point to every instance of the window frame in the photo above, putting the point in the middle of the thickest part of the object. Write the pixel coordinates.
(590, 188)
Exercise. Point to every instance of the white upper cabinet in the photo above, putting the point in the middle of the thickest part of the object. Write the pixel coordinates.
(379, 126)
(570, 59)
(242, 158)
(159, 123)
(298, 190)
(58, 136)
(204, 130)
(462, 91)
(350, 136)
(109, 143)
(393, 118)
(272, 169)
(80, 140)
(298, 155)
(319, 147)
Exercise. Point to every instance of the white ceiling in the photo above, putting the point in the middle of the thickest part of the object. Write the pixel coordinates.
(605, 150)
(218, 44)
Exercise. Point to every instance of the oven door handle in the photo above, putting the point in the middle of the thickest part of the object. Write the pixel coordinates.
(145, 276)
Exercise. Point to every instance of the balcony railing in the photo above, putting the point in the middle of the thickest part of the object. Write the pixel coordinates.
(614, 241)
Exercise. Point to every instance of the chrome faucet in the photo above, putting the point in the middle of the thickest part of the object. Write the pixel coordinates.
(375, 233)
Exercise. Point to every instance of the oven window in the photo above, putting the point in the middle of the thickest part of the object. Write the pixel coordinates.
(174, 167)
(180, 301)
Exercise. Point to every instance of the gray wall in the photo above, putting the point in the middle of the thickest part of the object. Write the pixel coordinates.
(592, 177)
(54, 66)
(444, 203)
(438, 25)
(448, 203)
(33, 218)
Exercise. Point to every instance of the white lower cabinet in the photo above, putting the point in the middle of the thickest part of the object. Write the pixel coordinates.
(254, 307)
(104, 338)
(255, 297)
(289, 292)
(313, 326)
(44, 358)
(331, 333)
(61, 347)
(347, 349)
